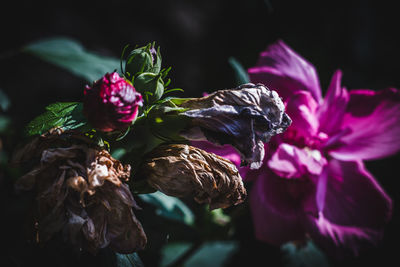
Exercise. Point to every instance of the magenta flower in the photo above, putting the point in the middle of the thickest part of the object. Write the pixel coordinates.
(313, 182)
(111, 103)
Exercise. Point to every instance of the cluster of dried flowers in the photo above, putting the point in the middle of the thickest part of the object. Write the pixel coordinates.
(85, 196)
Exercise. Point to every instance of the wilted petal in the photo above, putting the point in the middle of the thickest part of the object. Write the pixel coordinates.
(372, 124)
(80, 191)
(283, 70)
(245, 117)
(353, 209)
(274, 210)
(292, 162)
(332, 110)
(181, 170)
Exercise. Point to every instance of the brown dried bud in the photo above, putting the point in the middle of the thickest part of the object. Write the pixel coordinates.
(81, 193)
(181, 170)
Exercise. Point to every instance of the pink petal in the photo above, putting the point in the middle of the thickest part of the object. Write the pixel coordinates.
(353, 208)
(332, 110)
(292, 162)
(301, 108)
(274, 210)
(283, 70)
(341, 241)
(372, 120)
(353, 196)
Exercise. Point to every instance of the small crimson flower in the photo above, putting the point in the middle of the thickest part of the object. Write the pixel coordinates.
(112, 103)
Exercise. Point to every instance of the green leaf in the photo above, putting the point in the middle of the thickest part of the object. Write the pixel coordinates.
(67, 115)
(4, 123)
(306, 255)
(173, 251)
(128, 260)
(241, 75)
(4, 101)
(118, 153)
(72, 56)
(210, 254)
(169, 207)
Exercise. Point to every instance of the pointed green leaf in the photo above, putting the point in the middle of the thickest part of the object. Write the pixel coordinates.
(72, 56)
(240, 73)
(4, 101)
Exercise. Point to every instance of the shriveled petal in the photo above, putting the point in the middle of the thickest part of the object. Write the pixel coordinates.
(332, 110)
(353, 208)
(181, 170)
(371, 125)
(274, 210)
(245, 117)
(283, 70)
(292, 162)
(80, 191)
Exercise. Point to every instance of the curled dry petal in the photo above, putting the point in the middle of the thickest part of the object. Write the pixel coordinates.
(181, 170)
(245, 117)
(81, 193)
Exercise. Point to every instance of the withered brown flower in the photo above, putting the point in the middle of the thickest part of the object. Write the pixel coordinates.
(245, 117)
(81, 193)
(181, 170)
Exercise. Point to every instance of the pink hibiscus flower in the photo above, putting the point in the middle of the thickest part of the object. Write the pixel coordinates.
(313, 182)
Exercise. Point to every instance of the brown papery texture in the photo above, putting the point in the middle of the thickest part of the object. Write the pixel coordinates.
(181, 170)
(80, 193)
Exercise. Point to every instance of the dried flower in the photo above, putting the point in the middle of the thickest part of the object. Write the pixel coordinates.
(112, 103)
(80, 193)
(181, 170)
(245, 117)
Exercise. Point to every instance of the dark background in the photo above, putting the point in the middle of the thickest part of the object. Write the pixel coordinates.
(196, 39)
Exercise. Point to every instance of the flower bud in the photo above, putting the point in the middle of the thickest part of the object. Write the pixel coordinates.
(112, 103)
(81, 192)
(150, 84)
(143, 59)
(181, 170)
(245, 117)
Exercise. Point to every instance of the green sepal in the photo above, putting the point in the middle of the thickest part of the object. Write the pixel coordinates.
(141, 60)
(150, 85)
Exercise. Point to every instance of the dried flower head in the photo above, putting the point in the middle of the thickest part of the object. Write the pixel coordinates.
(81, 194)
(181, 170)
(245, 117)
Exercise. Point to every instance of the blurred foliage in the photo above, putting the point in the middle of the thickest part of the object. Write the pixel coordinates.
(303, 255)
(70, 54)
